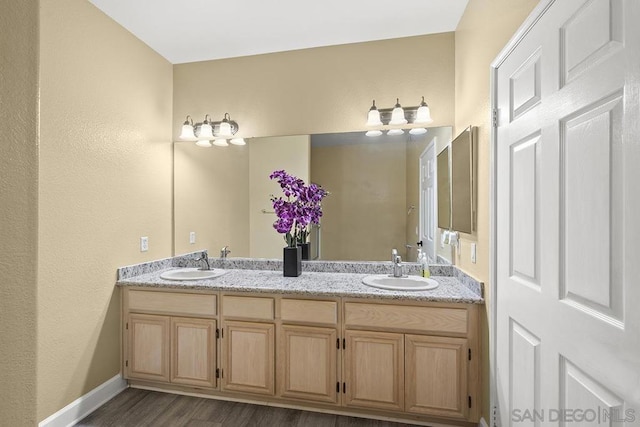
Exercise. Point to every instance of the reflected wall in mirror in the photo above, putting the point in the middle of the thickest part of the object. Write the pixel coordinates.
(444, 190)
(222, 194)
(463, 182)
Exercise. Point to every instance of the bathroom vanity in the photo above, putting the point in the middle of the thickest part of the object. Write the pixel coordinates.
(321, 341)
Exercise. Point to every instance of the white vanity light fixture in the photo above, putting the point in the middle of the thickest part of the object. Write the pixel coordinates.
(208, 131)
(373, 118)
(397, 117)
(238, 141)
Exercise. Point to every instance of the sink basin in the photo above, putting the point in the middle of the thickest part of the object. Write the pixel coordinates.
(405, 283)
(191, 274)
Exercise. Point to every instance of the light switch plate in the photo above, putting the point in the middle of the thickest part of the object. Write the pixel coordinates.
(144, 244)
(192, 237)
(473, 253)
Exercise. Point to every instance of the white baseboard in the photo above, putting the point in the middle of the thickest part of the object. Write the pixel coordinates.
(86, 404)
(483, 423)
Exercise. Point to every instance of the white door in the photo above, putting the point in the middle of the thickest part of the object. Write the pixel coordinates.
(568, 218)
(428, 200)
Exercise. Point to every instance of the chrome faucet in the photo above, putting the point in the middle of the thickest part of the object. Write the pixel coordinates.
(204, 259)
(397, 263)
(224, 252)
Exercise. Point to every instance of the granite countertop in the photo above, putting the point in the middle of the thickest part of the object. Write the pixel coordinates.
(336, 284)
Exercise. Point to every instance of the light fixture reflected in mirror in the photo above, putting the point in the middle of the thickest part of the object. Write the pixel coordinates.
(398, 116)
(238, 141)
(220, 142)
(373, 133)
(203, 143)
(418, 131)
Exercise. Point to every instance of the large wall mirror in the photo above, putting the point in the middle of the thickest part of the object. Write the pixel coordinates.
(222, 194)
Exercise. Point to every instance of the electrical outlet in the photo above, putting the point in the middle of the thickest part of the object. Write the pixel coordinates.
(473, 253)
(192, 237)
(144, 244)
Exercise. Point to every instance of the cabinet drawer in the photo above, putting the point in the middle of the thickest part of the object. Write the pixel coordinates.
(406, 318)
(248, 307)
(172, 303)
(300, 310)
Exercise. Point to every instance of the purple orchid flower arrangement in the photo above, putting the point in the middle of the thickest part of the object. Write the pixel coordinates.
(300, 207)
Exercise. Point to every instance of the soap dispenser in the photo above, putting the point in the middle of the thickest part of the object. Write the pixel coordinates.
(424, 263)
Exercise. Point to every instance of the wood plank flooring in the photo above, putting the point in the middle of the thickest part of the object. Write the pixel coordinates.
(134, 407)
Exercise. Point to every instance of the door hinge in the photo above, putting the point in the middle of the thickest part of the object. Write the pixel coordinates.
(344, 387)
(338, 343)
(338, 387)
(217, 373)
(469, 354)
(469, 401)
(217, 333)
(126, 363)
(494, 117)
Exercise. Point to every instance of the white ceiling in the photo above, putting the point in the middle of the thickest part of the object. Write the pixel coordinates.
(200, 30)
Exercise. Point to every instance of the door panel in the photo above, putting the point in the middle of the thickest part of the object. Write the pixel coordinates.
(249, 357)
(149, 347)
(436, 376)
(193, 359)
(309, 363)
(568, 330)
(374, 370)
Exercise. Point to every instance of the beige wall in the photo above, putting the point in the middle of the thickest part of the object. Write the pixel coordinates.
(365, 215)
(105, 180)
(290, 153)
(211, 198)
(18, 210)
(320, 90)
(485, 28)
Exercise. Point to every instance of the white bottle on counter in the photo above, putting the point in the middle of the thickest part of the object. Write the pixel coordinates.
(424, 263)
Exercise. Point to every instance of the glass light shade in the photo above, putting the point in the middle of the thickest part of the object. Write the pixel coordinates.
(238, 141)
(418, 131)
(394, 132)
(423, 115)
(187, 133)
(397, 116)
(373, 119)
(206, 132)
(225, 129)
(373, 133)
(203, 143)
(221, 143)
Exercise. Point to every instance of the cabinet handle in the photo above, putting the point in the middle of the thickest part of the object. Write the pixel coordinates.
(338, 345)
(338, 387)
(344, 387)
(344, 343)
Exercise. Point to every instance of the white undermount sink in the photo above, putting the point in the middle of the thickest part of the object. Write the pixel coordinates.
(404, 283)
(191, 274)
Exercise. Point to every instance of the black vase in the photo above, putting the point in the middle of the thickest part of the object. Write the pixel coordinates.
(305, 250)
(292, 261)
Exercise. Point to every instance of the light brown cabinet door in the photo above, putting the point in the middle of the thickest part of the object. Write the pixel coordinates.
(248, 354)
(193, 357)
(308, 363)
(436, 375)
(148, 347)
(374, 370)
